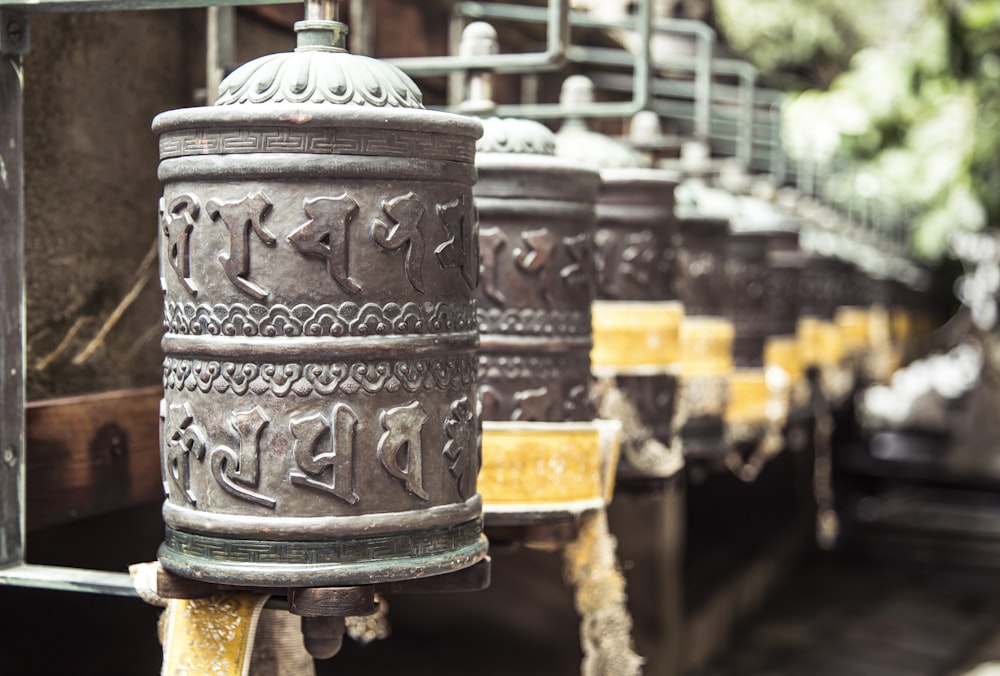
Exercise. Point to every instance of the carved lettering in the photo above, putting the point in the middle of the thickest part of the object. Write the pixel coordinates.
(537, 257)
(462, 447)
(534, 405)
(240, 217)
(491, 241)
(575, 274)
(178, 222)
(238, 472)
(491, 401)
(401, 437)
(325, 235)
(309, 433)
(625, 263)
(183, 439)
(459, 251)
(406, 213)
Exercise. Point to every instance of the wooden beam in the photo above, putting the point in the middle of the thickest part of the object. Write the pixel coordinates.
(92, 454)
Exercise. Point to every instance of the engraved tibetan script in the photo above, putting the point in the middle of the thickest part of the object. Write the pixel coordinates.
(406, 213)
(238, 472)
(323, 444)
(178, 219)
(240, 218)
(491, 241)
(399, 448)
(462, 447)
(325, 235)
(182, 439)
(459, 250)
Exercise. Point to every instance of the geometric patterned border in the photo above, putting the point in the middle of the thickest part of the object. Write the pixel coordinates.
(328, 141)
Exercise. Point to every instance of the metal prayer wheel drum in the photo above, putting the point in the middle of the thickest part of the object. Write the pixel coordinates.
(746, 273)
(701, 274)
(536, 245)
(637, 317)
(706, 334)
(636, 233)
(319, 262)
(785, 268)
(545, 458)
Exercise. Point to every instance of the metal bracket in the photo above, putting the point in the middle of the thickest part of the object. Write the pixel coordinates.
(13, 32)
(554, 57)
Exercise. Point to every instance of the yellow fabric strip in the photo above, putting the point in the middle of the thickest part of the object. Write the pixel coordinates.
(547, 464)
(749, 396)
(854, 324)
(819, 342)
(211, 637)
(706, 346)
(901, 321)
(783, 352)
(633, 334)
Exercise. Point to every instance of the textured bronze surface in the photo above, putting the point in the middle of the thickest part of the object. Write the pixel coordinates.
(701, 279)
(636, 233)
(822, 286)
(536, 233)
(319, 261)
(746, 275)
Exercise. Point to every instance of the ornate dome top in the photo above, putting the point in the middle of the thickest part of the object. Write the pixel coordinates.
(320, 70)
(576, 142)
(514, 135)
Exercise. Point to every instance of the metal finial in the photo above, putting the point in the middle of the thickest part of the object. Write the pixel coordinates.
(479, 39)
(322, 10)
(644, 128)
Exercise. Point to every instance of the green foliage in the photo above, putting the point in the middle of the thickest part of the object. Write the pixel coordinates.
(917, 109)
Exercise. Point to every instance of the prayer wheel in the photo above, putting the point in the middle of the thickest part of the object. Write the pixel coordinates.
(319, 260)
(707, 334)
(636, 313)
(545, 458)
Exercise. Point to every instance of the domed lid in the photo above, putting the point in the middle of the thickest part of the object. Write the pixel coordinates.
(320, 71)
(500, 135)
(577, 142)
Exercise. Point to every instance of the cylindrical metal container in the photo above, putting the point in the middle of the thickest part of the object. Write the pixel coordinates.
(746, 272)
(319, 258)
(701, 277)
(545, 458)
(537, 260)
(636, 313)
(781, 349)
(706, 333)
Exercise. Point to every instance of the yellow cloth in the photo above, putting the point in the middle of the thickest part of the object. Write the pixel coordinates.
(547, 464)
(706, 346)
(212, 636)
(632, 335)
